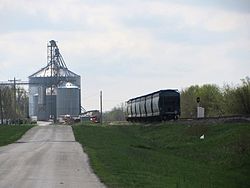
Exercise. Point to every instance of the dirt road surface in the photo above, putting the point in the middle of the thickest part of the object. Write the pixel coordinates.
(46, 156)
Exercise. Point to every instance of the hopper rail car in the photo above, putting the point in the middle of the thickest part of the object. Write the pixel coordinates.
(158, 106)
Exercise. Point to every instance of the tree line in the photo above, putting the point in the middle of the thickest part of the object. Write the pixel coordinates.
(116, 114)
(228, 100)
(217, 101)
(13, 104)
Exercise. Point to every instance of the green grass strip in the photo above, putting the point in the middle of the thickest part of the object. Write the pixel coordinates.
(11, 133)
(168, 155)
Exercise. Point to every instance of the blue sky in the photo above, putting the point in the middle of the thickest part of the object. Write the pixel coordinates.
(128, 48)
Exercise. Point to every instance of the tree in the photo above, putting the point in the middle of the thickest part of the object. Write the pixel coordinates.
(188, 101)
(210, 96)
(22, 103)
(237, 99)
(7, 103)
(211, 99)
(116, 114)
(8, 110)
(243, 93)
(229, 100)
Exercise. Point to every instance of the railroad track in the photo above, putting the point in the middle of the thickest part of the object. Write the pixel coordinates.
(220, 119)
(206, 120)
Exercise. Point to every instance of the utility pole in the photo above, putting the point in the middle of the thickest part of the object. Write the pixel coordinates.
(51, 87)
(101, 106)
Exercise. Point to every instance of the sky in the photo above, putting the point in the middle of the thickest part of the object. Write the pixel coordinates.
(128, 48)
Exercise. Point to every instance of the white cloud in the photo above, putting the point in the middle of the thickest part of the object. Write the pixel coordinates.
(108, 17)
(212, 19)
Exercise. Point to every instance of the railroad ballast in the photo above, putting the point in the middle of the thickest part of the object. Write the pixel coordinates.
(157, 106)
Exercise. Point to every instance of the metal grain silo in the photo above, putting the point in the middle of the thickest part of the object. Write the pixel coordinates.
(68, 99)
(35, 105)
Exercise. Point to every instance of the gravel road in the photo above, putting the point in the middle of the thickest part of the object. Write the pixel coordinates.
(46, 156)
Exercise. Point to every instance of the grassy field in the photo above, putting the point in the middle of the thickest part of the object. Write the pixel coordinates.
(11, 133)
(168, 155)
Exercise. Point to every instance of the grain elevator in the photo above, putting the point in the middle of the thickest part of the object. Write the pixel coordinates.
(54, 90)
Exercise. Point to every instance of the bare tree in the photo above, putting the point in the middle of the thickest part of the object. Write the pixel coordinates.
(8, 109)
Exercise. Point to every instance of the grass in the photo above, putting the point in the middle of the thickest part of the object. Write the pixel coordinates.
(168, 155)
(11, 133)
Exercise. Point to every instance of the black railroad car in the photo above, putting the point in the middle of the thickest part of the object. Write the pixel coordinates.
(157, 106)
